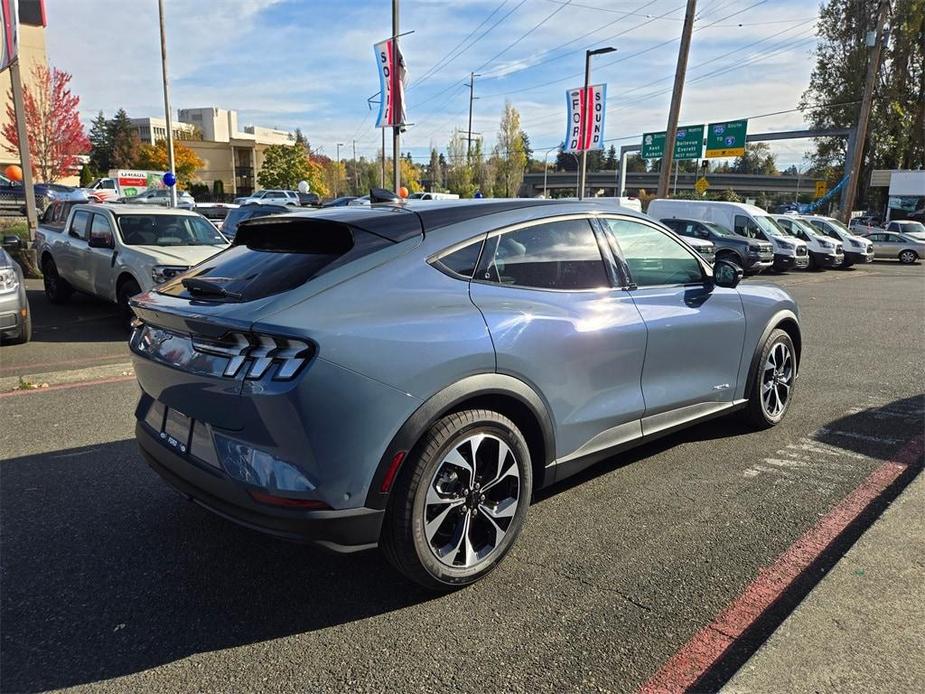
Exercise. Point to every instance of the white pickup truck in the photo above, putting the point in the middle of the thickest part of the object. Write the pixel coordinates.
(117, 251)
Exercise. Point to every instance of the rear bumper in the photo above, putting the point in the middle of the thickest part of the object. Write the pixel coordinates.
(342, 531)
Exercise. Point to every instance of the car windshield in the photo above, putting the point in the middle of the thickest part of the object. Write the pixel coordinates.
(768, 225)
(838, 225)
(168, 230)
(719, 229)
(810, 230)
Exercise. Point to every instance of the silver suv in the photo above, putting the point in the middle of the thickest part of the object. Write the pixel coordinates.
(409, 375)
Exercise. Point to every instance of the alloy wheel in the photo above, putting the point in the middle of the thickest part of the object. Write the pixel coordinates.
(907, 257)
(471, 501)
(777, 380)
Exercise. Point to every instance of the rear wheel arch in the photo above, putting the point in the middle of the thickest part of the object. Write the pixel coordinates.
(500, 393)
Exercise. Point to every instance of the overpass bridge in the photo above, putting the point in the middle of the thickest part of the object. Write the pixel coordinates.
(566, 183)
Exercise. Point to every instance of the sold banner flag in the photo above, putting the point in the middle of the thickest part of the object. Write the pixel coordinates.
(391, 66)
(585, 118)
(9, 29)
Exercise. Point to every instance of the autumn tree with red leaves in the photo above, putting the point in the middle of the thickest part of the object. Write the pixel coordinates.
(56, 135)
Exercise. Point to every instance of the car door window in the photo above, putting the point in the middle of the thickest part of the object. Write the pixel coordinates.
(653, 258)
(747, 227)
(79, 225)
(561, 255)
(101, 226)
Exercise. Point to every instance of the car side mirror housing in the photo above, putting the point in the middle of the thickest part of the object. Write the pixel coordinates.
(727, 274)
(12, 243)
(101, 240)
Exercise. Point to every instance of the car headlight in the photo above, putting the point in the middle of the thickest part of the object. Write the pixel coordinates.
(9, 280)
(162, 273)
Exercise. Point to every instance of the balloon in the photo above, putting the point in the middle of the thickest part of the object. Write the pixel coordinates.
(403, 192)
(304, 187)
(169, 179)
(13, 172)
(478, 194)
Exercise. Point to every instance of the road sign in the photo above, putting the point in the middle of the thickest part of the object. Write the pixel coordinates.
(687, 145)
(821, 188)
(726, 139)
(701, 185)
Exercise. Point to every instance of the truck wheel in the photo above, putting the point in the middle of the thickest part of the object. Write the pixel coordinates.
(57, 288)
(127, 290)
(460, 500)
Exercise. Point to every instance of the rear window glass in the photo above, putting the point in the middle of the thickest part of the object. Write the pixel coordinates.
(273, 256)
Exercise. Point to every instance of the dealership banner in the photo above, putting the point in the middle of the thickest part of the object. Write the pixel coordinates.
(9, 28)
(586, 111)
(391, 85)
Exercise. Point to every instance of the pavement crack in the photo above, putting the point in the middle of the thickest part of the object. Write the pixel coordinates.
(591, 584)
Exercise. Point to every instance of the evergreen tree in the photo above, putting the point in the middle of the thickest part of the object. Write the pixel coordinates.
(124, 141)
(435, 171)
(610, 162)
(100, 145)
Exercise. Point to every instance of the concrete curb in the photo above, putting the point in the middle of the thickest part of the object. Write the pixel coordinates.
(38, 381)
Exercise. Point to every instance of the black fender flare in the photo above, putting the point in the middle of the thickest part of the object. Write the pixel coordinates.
(783, 316)
(446, 400)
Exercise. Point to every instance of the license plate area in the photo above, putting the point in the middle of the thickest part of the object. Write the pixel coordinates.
(177, 429)
(181, 433)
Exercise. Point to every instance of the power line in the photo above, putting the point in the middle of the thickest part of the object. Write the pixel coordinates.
(525, 35)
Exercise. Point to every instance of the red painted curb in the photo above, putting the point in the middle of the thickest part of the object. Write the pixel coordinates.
(30, 368)
(709, 644)
(66, 386)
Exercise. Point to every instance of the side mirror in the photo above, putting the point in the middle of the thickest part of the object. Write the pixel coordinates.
(101, 240)
(727, 274)
(12, 243)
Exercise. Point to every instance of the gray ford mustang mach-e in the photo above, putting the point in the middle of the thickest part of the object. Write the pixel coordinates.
(409, 375)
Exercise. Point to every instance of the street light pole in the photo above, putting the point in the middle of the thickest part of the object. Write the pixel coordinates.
(167, 114)
(583, 166)
(546, 167)
(337, 168)
(356, 175)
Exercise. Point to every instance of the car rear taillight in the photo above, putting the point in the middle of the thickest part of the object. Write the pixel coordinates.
(256, 353)
(287, 502)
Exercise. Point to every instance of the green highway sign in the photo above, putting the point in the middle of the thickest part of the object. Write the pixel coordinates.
(687, 145)
(726, 139)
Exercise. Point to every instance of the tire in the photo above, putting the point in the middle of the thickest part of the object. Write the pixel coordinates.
(57, 288)
(908, 257)
(731, 256)
(462, 542)
(777, 367)
(127, 290)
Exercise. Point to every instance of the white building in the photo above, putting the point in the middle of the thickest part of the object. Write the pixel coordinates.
(152, 129)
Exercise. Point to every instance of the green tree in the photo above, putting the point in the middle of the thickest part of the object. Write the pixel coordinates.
(610, 161)
(124, 141)
(86, 175)
(100, 144)
(483, 174)
(459, 173)
(185, 161)
(284, 166)
(434, 170)
(757, 160)
(510, 154)
(896, 133)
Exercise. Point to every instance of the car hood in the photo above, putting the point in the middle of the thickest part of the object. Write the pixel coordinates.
(178, 255)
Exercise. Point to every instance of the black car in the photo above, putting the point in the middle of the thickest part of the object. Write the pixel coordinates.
(236, 216)
(340, 202)
(752, 255)
(309, 199)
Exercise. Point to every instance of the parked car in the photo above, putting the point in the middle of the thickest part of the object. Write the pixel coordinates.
(309, 199)
(360, 201)
(12, 192)
(856, 248)
(750, 255)
(116, 251)
(823, 252)
(251, 211)
(270, 197)
(907, 227)
(15, 315)
(340, 202)
(888, 244)
(408, 375)
(426, 195)
(161, 196)
(215, 212)
(747, 221)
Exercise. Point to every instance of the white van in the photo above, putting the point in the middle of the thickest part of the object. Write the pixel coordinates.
(857, 248)
(433, 196)
(823, 252)
(746, 220)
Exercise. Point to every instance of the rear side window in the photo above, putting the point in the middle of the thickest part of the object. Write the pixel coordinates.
(80, 225)
(463, 261)
(561, 255)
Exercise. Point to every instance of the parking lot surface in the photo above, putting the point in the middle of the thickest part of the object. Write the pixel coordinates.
(112, 582)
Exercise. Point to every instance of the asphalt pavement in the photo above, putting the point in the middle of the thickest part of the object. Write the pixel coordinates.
(112, 582)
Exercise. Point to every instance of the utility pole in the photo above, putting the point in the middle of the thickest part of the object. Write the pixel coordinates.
(583, 164)
(853, 165)
(471, 85)
(337, 167)
(25, 154)
(356, 175)
(170, 159)
(664, 174)
(382, 172)
(396, 100)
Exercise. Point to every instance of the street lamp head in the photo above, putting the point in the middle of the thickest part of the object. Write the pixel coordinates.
(601, 51)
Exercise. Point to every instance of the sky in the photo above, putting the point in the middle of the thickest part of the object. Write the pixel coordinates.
(310, 64)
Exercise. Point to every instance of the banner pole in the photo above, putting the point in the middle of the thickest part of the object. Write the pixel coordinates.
(397, 105)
